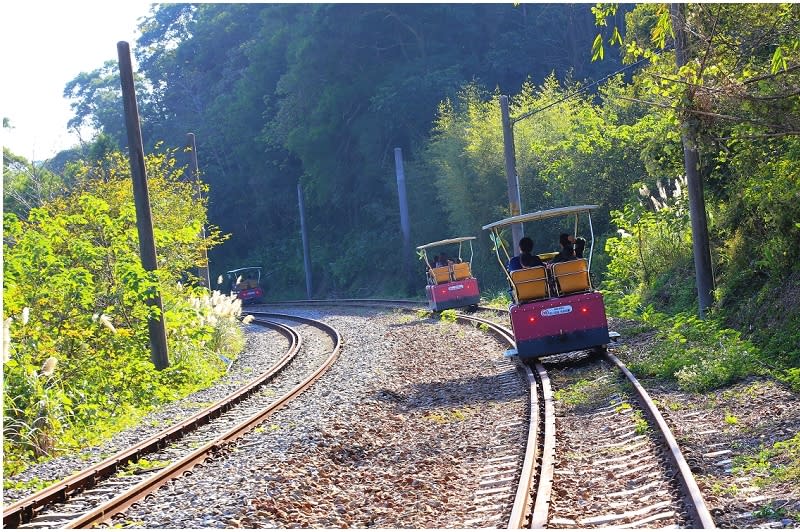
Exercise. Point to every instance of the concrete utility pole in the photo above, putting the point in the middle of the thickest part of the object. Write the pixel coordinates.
(306, 255)
(202, 271)
(514, 203)
(704, 277)
(404, 223)
(144, 220)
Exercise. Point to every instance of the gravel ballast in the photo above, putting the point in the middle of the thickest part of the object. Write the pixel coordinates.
(390, 437)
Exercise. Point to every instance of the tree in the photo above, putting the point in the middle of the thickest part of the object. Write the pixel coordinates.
(76, 344)
(733, 47)
(27, 185)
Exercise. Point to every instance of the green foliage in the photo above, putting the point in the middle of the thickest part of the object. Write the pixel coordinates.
(699, 355)
(750, 174)
(449, 316)
(792, 377)
(575, 394)
(34, 484)
(730, 419)
(320, 95)
(650, 246)
(499, 300)
(640, 425)
(76, 351)
(778, 463)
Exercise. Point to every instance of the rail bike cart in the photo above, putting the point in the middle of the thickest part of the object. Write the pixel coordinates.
(245, 284)
(555, 308)
(451, 285)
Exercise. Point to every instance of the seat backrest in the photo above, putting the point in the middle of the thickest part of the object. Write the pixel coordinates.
(572, 276)
(530, 283)
(461, 271)
(441, 274)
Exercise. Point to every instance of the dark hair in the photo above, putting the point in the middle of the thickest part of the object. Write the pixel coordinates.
(525, 244)
(563, 239)
(580, 244)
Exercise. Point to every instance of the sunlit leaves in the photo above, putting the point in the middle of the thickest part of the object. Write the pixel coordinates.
(778, 60)
(662, 28)
(597, 48)
(75, 292)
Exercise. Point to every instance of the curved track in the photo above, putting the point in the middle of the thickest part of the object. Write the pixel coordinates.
(73, 502)
(532, 506)
(521, 488)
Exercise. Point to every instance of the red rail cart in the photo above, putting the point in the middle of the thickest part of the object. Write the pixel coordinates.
(245, 284)
(555, 308)
(450, 284)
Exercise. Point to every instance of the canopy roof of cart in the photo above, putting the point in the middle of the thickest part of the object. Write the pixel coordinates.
(244, 269)
(541, 215)
(448, 241)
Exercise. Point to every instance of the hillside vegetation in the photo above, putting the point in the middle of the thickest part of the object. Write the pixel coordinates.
(320, 95)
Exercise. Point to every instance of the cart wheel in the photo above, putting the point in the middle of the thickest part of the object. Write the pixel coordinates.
(599, 350)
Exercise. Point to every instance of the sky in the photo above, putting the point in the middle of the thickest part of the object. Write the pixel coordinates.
(44, 45)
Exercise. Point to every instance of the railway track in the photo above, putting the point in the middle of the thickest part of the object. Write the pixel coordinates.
(617, 463)
(634, 449)
(540, 481)
(98, 492)
(631, 445)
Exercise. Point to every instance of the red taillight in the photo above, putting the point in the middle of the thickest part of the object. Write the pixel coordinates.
(584, 309)
(532, 319)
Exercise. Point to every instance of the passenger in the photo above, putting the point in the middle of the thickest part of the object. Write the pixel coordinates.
(436, 261)
(525, 259)
(443, 261)
(567, 252)
(580, 244)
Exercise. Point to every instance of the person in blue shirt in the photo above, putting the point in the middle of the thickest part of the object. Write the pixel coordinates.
(525, 259)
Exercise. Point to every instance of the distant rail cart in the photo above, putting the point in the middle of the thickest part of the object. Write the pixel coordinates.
(450, 280)
(245, 284)
(555, 308)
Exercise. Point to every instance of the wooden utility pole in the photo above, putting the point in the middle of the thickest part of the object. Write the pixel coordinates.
(202, 270)
(404, 223)
(144, 220)
(304, 235)
(704, 277)
(514, 203)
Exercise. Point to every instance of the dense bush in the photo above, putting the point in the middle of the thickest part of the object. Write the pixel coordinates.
(76, 344)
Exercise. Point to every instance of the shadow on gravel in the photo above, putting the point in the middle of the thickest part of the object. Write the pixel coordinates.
(459, 392)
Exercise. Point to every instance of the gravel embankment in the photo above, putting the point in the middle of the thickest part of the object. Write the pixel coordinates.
(391, 437)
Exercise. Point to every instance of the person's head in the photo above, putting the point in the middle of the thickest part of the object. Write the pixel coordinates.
(563, 239)
(525, 244)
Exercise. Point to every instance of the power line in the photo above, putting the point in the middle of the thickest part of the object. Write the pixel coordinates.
(579, 91)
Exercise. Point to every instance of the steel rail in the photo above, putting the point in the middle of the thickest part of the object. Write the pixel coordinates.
(540, 511)
(524, 498)
(364, 302)
(345, 301)
(544, 487)
(697, 505)
(138, 492)
(26, 509)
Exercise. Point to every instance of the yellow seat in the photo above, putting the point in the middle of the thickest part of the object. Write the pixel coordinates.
(461, 271)
(572, 276)
(440, 274)
(530, 284)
